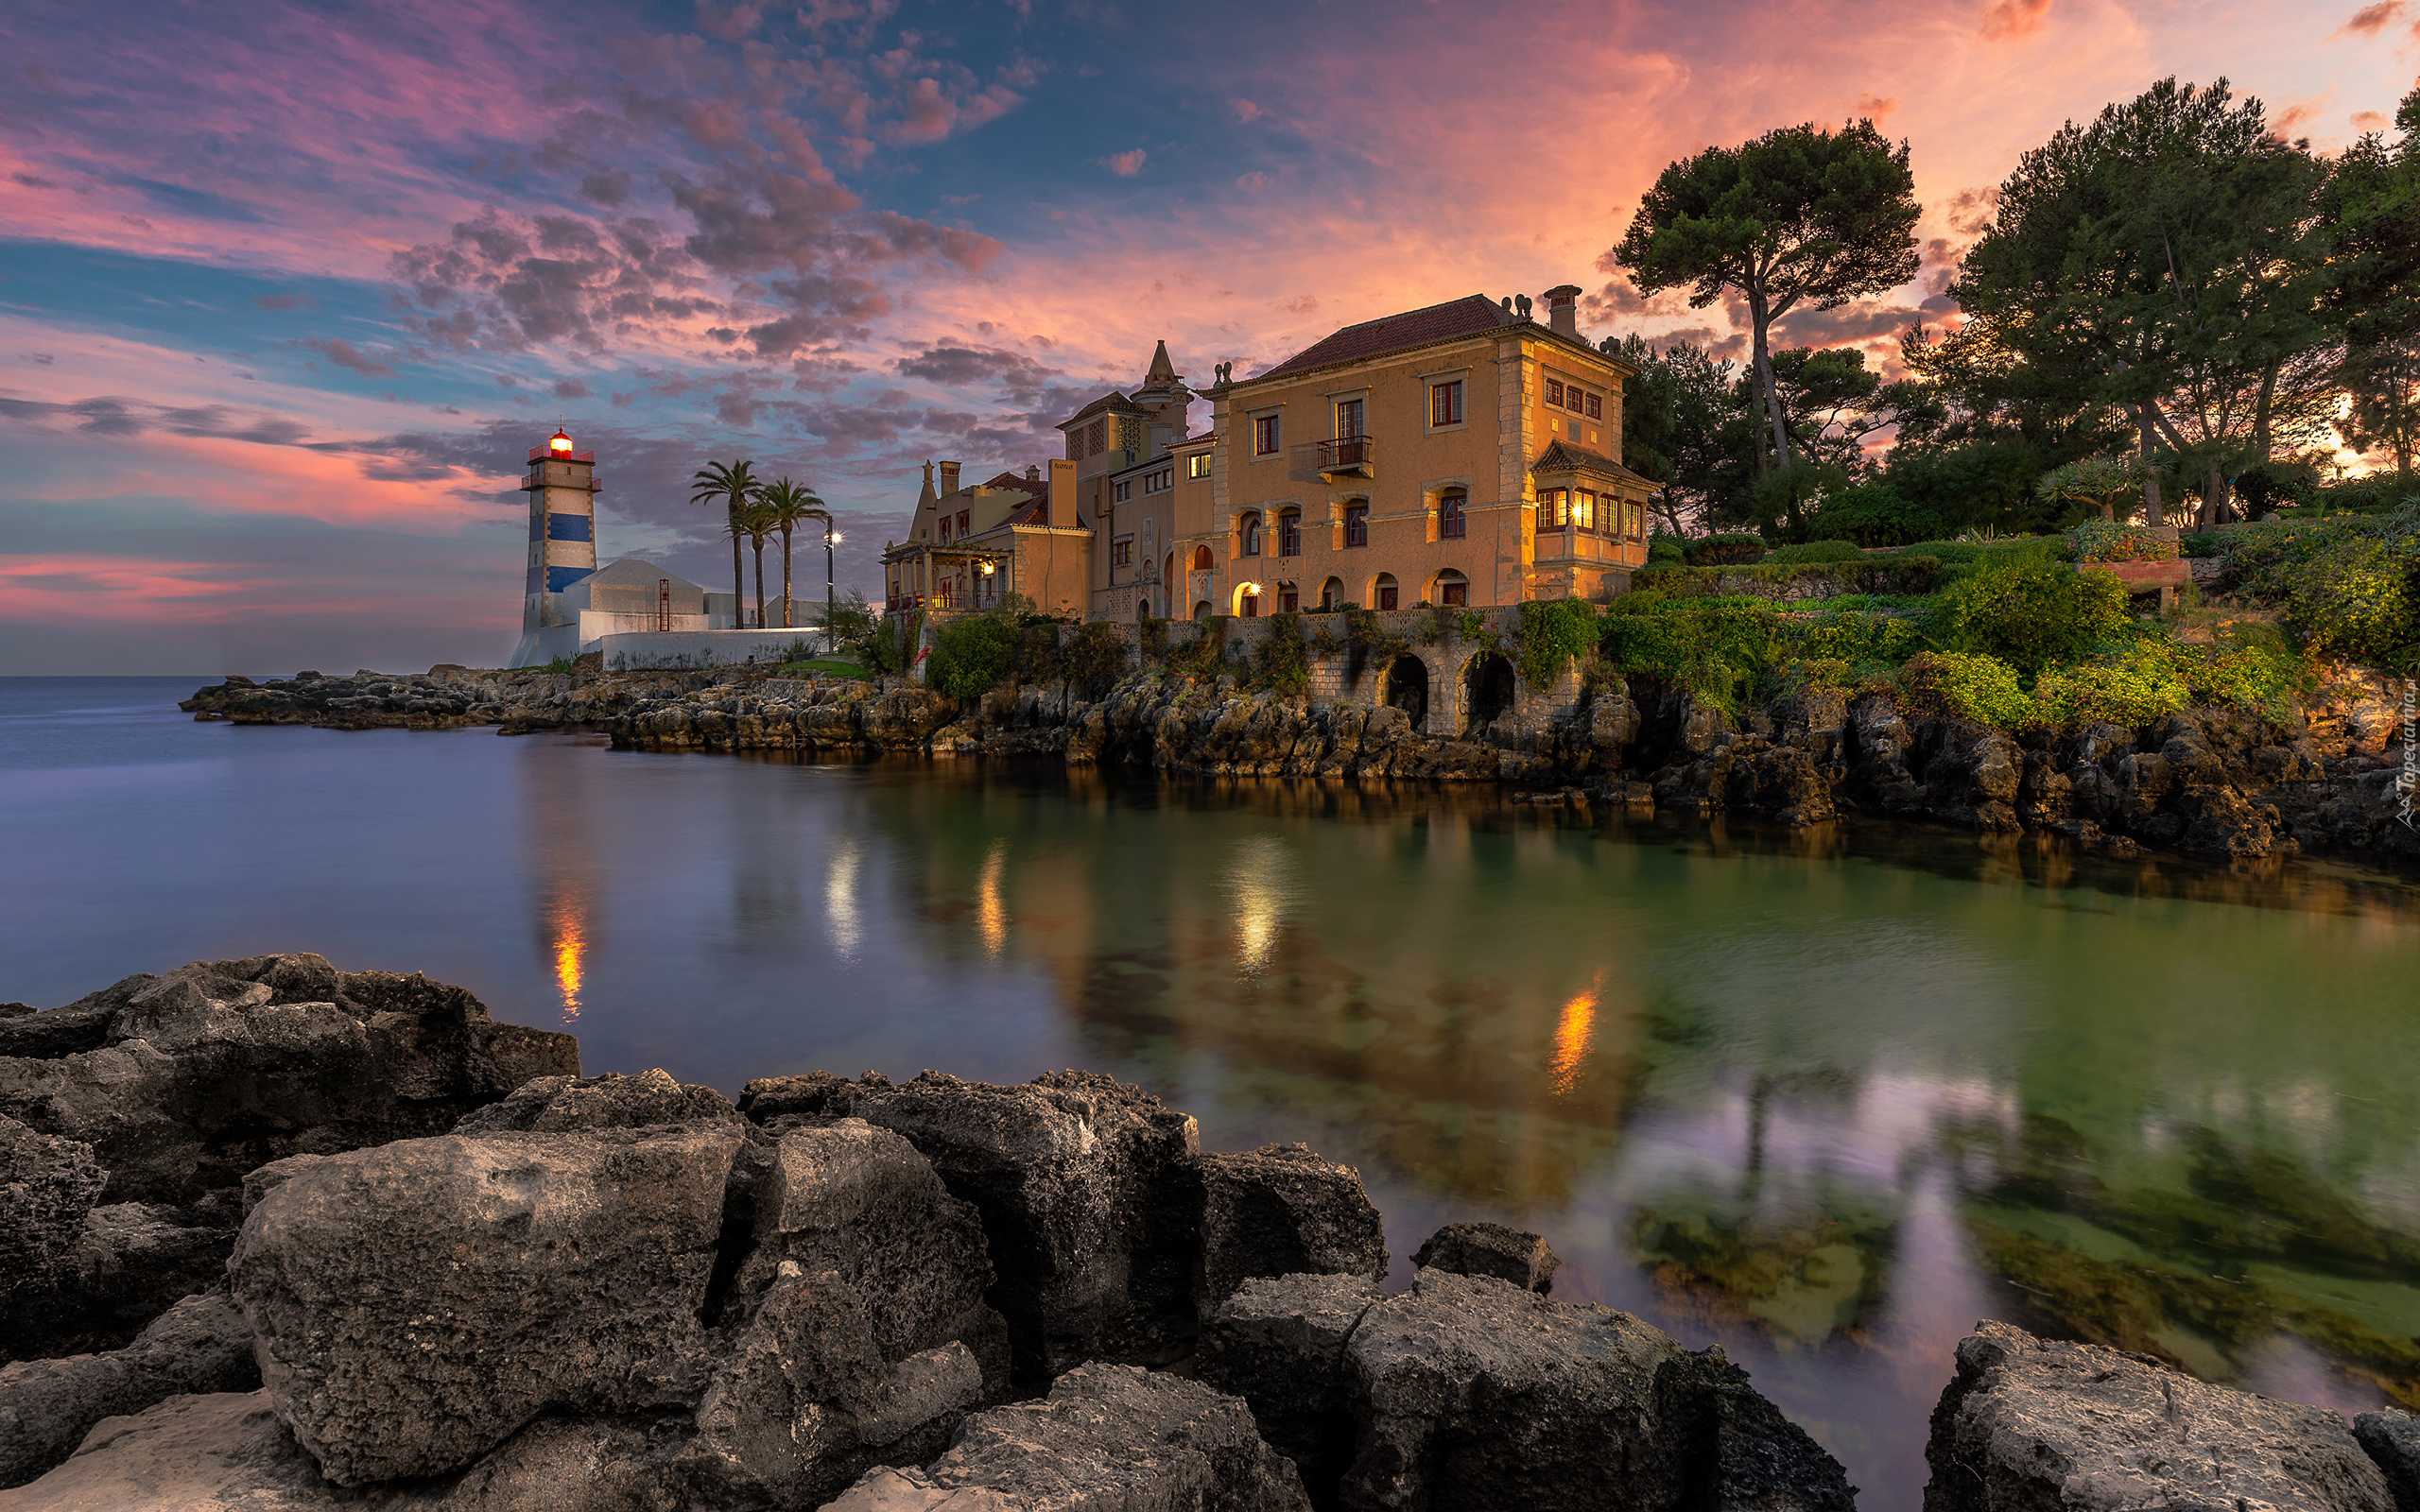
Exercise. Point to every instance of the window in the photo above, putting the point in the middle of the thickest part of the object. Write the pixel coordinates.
(1554, 392)
(1596, 406)
(1130, 435)
(1451, 525)
(1584, 510)
(1289, 534)
(1348, 417)
(1121, 552)
(1356, 525)
(1265, 435)
(1385, 593)
(1453, 589)
(1075, 445)
(1159, 481)
(1125, 492)
(1550, 509)
(1331, 593)
(963, 516)
(1248, 606)
(1445, 403)
(1201, 559)
(1574, 400)
(1248, 536)
(1290, 598)
(1097, 438)
(945, 528)
(1198, 465)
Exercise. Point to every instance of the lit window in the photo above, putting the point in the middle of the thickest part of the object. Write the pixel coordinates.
(1451, 523)
(1583, 509)
(1264, 435)
(1554, 392)
(1445, 403)
(1550, 509)
(1198, 465)
(1356, 525)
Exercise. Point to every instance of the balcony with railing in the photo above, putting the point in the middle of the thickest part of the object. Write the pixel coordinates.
(1348, 456)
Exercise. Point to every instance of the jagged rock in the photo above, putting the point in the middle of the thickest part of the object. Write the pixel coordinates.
(576, 1465)
(200, 1345)
(2391, 1439)
(1474, 1395)
(2037, 1423)
(1282, 1210)
(128, 1263)
(1279, 1344)
(554, 1104)
(1088, 1192)
(1492, 1250)
(181, 1083)
(1736, 1452)
(48, 1185)
(418, 1302)
(862, 1203)
(222, 1452)
(1108, 1438)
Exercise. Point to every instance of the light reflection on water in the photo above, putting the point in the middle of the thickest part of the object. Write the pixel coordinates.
(1825, 1099)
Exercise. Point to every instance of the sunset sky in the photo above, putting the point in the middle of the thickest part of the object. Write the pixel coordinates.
(287, 291)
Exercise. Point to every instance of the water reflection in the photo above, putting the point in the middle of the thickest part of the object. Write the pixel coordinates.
(1571, 1036)
(559, 843)
(992, 915)
(840, 898)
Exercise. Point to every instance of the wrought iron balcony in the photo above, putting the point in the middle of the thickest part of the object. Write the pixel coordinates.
(1348, 456)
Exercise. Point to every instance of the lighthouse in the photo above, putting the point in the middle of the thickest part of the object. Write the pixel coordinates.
(562, 529)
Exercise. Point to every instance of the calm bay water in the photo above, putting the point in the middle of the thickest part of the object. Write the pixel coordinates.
(1824, 1099)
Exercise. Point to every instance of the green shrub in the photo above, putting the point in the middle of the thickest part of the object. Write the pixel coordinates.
(1663, 550)
(1873, 514)
(1555, 634)
(1722, 551)
(1719, 650)
(972, 655)
(2029, 610)
(1867, 575)
(560, 667)
(1092, 659)
(1949, 553)
(2355, 602)
(1967, 686)
(2250, 666)
(2134, 686)
(2099, 540)
(1279, 662)
(1205, 655)
(1813, 551)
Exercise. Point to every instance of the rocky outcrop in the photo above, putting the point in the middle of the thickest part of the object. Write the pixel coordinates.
(1491, 1249)
(171, 1087)
(443, 698)
(1107, 1438)
(2391, 1439)
(2036, 1423)
(200, 1345)
(1282, 1210)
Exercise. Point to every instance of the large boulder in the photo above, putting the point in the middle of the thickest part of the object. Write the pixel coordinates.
(1108, 1438)
(1089, 1193)
(1474, 1395)
(181, 1083)
(2042, 1424)
(48, 1185)
(2392, 1438)
(1282, 1210)
(200, 1345)
(1491, 1249)
(1736, 1452)
(417, 1303)
(1279, 1344)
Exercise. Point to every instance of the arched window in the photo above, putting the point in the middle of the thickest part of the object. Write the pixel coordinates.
(1332, 592)
(1451, 523)
(1289, 533)
(1290, 598)
(1201, 559)
(1202, 610)
(1451, 589)
(1141, 607)
(1383, 592)
(1248, 536)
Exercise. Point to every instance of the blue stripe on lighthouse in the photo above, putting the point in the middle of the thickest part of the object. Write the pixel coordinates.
(558, 578)
(570, 527)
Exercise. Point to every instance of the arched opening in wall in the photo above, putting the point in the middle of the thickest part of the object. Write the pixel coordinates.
(1202, 610)
(1449, 589)
(1406, 687)
(1332, 592)
(1289, 597)
(1248, 600)
(1489, 689)
(1167, 573)
(1142, 606)
(1383, 591)
(1202, 558)
(1247, 534)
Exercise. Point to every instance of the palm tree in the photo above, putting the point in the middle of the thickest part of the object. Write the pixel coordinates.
(790, 503)
(756, 520)
(733, 484)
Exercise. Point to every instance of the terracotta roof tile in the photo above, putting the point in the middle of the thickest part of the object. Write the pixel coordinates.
(1563, 456)
(1468, 317)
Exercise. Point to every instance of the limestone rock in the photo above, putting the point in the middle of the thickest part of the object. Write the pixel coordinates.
(2391, 1439)
(47, 1184)
(1282, 1210)
(577, 1465)
(1089, 1194)
(1737, 1452)
(555, 1105)
(418, 1302)
(2040, 1424)
(1492, 1250)
(1279, 1344)
(1475, 1394)
(130, 1261)
(198, 1345)
(1108, 1438)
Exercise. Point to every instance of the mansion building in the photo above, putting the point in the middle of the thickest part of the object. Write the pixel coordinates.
(1461, 455)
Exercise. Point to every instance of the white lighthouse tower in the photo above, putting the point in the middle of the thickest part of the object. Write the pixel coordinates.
(562, 534)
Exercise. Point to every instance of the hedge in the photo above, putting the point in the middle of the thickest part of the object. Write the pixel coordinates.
(1911, 575)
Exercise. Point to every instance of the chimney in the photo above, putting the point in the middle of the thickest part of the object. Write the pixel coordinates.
(1062, 493)
(950, 470)
(1562, 311)
(1032, 475)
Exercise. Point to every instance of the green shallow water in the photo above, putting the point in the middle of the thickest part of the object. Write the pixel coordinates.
(1825, 1099)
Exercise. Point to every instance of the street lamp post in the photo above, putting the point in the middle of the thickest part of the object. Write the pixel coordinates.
(831, 605)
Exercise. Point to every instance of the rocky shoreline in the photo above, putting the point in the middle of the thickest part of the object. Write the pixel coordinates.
(427, 1263)
(2217, 782)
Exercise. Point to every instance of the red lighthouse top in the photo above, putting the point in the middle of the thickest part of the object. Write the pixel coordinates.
(557, 449)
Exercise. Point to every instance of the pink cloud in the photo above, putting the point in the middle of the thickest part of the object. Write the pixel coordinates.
(2005, 19)
(1245, 110)
(2372, 19)
(1125, 165)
